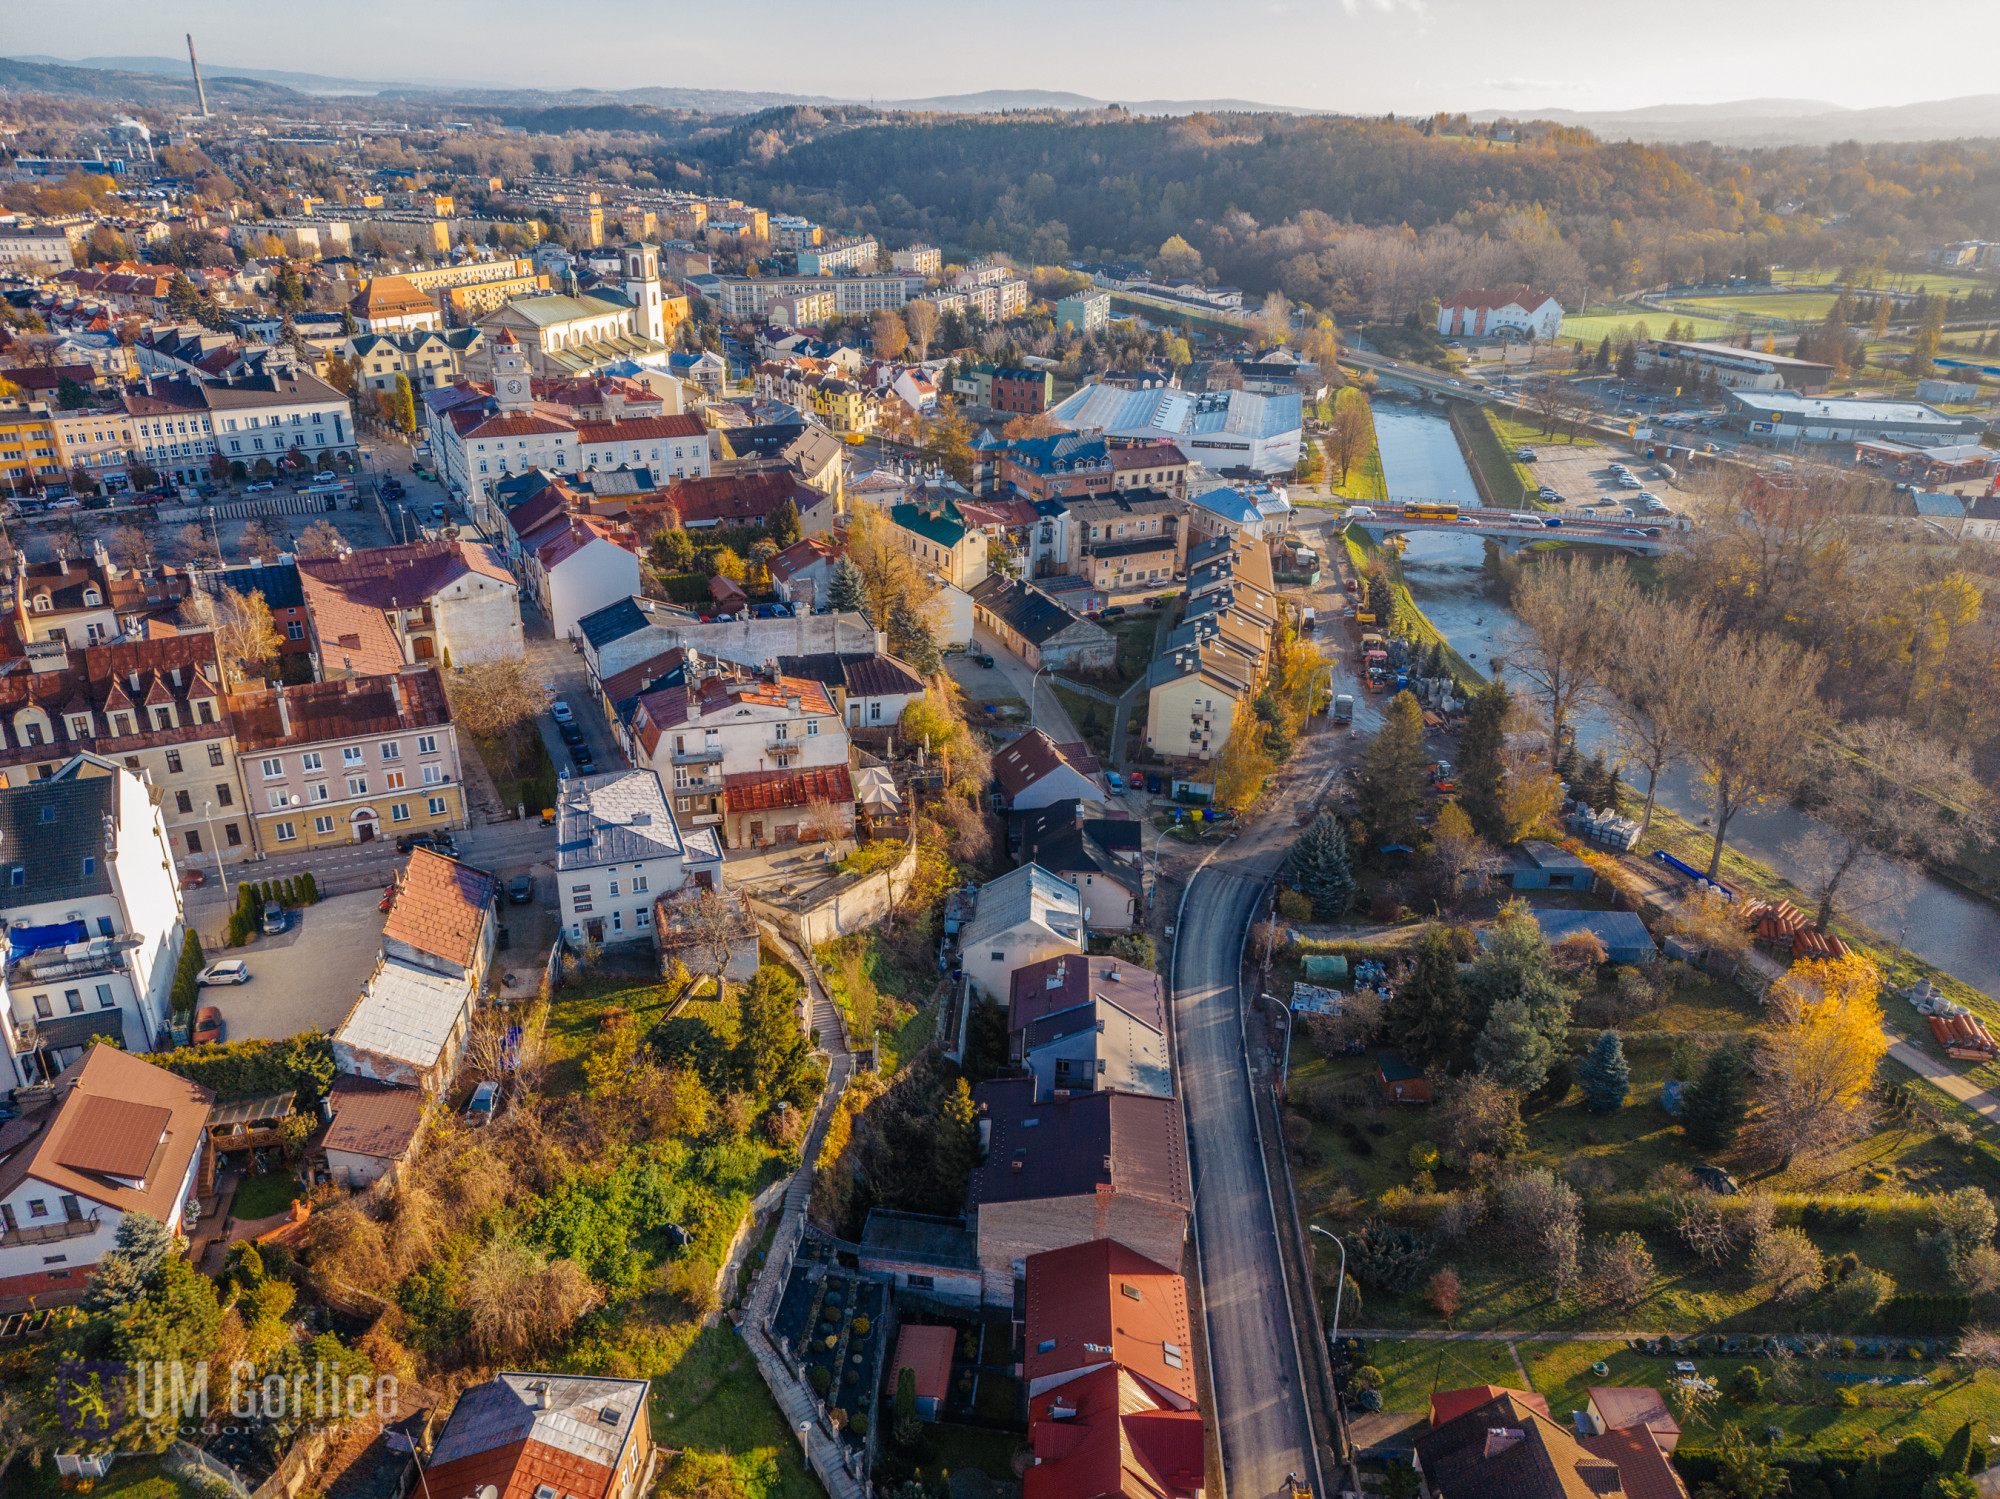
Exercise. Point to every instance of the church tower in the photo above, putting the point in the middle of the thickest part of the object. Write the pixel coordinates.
(512, 387)
(642, 285)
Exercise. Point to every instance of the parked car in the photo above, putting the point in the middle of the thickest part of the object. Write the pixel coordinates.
(230, 971)
(1114, 780)
(192, 879)
(984, 660)
(388, 897)
(559, 711)
(480, 1109)
(1546, 493)
(521, 889)
(1116, 611)
(571, 733)
(437, 840)
(585, 760)
(265, 488)
(274, 918)
(1155, 785)
(207, 1025)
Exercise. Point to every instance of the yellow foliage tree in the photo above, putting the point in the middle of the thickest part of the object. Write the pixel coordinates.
(1243, 764)
(1822, 1042)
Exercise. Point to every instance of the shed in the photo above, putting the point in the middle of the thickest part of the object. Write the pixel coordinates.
(374, 1131)
(927, 1353)
(250, 1123)
(727, 592)
(1324, 970)
(1623, 934)
(1535, 865)
(1400, 1081)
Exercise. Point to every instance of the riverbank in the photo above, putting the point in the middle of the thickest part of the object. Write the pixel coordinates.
(1363, 551)
(1503, 484)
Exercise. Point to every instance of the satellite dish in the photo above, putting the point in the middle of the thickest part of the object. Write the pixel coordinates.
(487, 1491)
(295, 798)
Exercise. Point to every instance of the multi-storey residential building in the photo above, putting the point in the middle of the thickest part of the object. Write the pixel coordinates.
(1021, 392)
(617, 851)
(389, 304)
(36, 249)
(1150, 465)
(791, 232)
(751, 296)
(265, 416)
(94, 916)
(94, 446)
(429, 358)
(1065, 466)
(935, 533)
(29, 458)
(841, 255)
(1086, 312)
(925, 260)
(118, 1136)
(154, 706)
(173, 429)
(332, 763)
(86, 603)
(388, 607)
(993, 299)
(1128, 523)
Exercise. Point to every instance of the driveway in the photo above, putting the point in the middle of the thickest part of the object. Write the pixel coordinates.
(307, 977)
(1011, 677)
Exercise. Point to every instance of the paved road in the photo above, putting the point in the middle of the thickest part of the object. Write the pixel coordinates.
(1254, 1350)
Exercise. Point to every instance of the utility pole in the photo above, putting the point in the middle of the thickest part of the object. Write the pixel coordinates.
(200, 93)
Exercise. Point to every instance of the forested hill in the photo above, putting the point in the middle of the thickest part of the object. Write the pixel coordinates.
(1280, 202)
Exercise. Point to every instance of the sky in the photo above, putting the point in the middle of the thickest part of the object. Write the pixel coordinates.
(1360, 56)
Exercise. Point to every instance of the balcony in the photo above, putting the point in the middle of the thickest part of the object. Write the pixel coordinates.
(707, 755)
(704, 819)
(784, 746)
(48, 1233)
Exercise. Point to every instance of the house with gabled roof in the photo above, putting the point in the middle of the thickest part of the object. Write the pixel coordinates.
(387, 607)
(1023, 917)
(1035, 771)
(1066, 1170)
(1032, 625)
(546, 1436)
(442, 917)
(937, 537)
(617, 850)
(117, 1136)
(1098, 1304)
(578, 567)
(1106, 1436)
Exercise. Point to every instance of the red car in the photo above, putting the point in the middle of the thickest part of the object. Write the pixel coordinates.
(207, 1025)
(192, 879)
(388, 899)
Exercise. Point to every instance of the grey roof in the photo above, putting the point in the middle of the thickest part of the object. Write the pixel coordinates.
(503, 1411)
(1943, 506)
(1132, 1053)
(1549, 856)
(1027, 894)
(1792, 404)
(918, 1236)
(616, 818)
(47, 830)
(277, 581)
(612, 622)
(1618, 930)
(406, 1012)
(1231, 504)
(1029, 612)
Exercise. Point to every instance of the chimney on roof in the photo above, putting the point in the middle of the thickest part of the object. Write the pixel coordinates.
(541, 1392)
(62, 561)
(402, 708)
(1500, 1438)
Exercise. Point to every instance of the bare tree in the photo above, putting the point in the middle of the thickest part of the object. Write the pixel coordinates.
(320, 539)
(921, 318)
(1746, 722)
(1887, 799)
(1655, 664)
(193, 546)
(1569, 610)
(707, 928)
(129, 546)
(1351, 435)
(490, 698)
(257, 540)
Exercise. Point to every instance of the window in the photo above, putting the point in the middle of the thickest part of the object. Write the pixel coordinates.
(89, 867)
(638, 884)
(1047, 1345)
(322, 825)
(399, 812)
(682, 804)
(812, 728)
(311, 762)
(104, 999)
(998, 957)
(294, 630)
(185, 803)
(433, 774)
(37, 1208)
(427, 744)
(173, 762)
(875, 712)
(20, 875)
(284, 832)
(617, 921)
(215, 755)
(193, 841)
(279, 800)
(580, 897)
(74, 999)
(351, 755)
(392, 750)
(437, 806)
(1129, 1290)
(223, 798)
(273, 769)
(918, 1282)
(42, 1009)
(1171, 1353)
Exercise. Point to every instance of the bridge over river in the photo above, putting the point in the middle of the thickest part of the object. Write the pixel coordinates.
(1518, 528)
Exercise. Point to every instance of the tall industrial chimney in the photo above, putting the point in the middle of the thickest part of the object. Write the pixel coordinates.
(200, 93)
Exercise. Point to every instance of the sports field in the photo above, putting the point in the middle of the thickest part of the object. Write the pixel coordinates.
(1594, 326)
(1901, 283)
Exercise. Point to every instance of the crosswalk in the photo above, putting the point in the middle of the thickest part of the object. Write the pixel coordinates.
(276, 504)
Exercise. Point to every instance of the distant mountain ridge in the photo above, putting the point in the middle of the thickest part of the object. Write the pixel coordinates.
(1771, 122)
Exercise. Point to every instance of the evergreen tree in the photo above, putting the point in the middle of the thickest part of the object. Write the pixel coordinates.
(1318, 865)
(911, 639)
(957, 1140)
(1958, 1451)
(1512, 1050)
(1593, 785)
(1481, 769)
(1381, 601)
(1628, 360)
(1423, 1015)
(1713, 1106)
(1604, 354)
(771, 1058)
(1605, 1076)
(123, 1272)
(847, 589)
(784, 524)
(1394, 782)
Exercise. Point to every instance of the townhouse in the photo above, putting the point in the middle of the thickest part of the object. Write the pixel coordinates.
(266, 417)
(87, 603)
(750, 498)
(1023, 917)
(94, 446)
(29, 459)
(617, 850)
(333, 763)
(934, 532)
(430, 358)
(389, 304)
(94, 916)
(388, 607)
(1128, 538)
(1065, 466)
(1032, 625)
(1160, 466)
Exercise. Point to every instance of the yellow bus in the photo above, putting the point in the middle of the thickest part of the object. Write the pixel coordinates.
(1430, 512)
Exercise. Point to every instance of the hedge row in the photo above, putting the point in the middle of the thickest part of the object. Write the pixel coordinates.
(187, 985)
(1941, 1313)
(249, 1069)
(1607, 1212)
(253, 895)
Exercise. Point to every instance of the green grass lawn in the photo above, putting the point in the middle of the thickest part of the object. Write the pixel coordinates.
(967, 1448)
(708, 1395)
(1811, 1417)
(266, 1195)
(1412, 1369)
(578, 1009)
(1092, 719)
(1514, 433)
(129, 1478)
(1795, 307)
(1364, 483)
(1592, 327)
(1901, 283)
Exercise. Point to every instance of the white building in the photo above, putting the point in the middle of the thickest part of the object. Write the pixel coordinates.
(1509, 311)
(617, 851)
(408, 1028)
(120, 1136)
(1021, 918)
(389, 607)
(579, 570)
(266, 415)
(1233, 431)
(93, 912)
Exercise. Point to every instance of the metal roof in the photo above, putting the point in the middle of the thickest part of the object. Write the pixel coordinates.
(1027, 894)
(406, 1013)
(509, 1408)
(617, 818)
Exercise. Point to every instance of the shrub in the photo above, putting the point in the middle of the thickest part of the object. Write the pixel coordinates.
(861, 1326)
(1294, 906)
(1391, 1259)
(858, 1424)
(1444, 1293)
(820, 1377)
(1849, 1399)
(1746, 1385)
(311, 888)
(1423, 1156)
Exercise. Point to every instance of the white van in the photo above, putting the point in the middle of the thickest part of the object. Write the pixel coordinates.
(1522, 518)
(1361, 512)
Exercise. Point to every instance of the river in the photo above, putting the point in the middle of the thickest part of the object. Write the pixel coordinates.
(1446, 576)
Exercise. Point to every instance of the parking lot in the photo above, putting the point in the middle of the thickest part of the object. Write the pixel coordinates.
(1582, 474)
(307, 977)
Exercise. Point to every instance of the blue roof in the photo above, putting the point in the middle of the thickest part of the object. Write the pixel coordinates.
(1230, 504)
(277, 581)
(612, 622)
(1617, 930)
(1943, 506)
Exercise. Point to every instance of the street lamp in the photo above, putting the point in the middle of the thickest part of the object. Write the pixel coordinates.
(1033, 694)
(1340, 1285)
(806, 1439)
(1285, 1071)
(208, 813)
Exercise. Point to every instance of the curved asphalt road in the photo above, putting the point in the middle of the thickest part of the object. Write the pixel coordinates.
(1254, 1353)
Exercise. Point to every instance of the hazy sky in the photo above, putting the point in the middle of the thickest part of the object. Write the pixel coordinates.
(1360, 55)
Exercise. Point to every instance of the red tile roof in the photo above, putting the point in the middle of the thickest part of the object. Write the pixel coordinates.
(739, 499)
(1104, 1435)
(1100, 1302)
(1449, 1405)
(631, 427)
(763, 790)
(342, 709)
(927, 1353)
(1035, 755)
(441, 907)
(1643, 1469)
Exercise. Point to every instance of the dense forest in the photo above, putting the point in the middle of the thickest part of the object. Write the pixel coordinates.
(1362, 215)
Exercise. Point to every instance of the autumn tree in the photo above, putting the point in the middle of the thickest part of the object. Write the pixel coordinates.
(1745, 724)
(888, 335)
(1821, 1043)
(921, 319)
(1653, 674)
(245, 634)
(129, 546)
(195, 547)
(320, 539)
(1243, 764)
(1351, 437)
(490, 698)
(257, 540)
